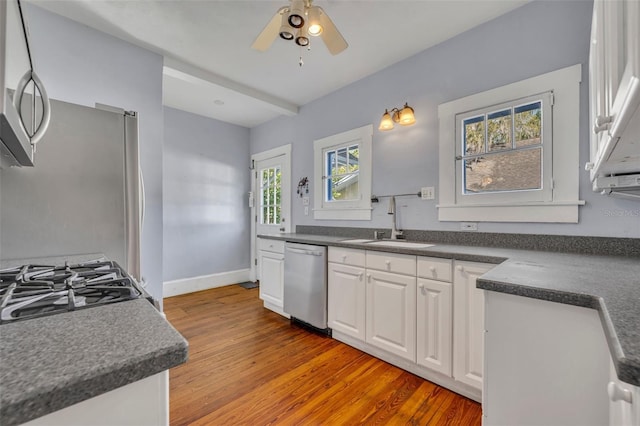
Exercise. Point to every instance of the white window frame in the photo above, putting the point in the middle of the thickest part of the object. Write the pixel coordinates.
(507, 197)
(560, 202)
(359, 209)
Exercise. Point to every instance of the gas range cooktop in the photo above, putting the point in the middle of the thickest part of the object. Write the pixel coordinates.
(32, 291)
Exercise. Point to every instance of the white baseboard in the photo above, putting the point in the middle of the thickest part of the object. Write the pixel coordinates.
(204, 282)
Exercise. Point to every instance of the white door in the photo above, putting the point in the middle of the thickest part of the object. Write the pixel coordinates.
(270, 197)
(468, 323)
(434, 328)
(346, 299)
(391, 313)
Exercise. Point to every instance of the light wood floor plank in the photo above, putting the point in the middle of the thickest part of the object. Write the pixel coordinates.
(250, 366)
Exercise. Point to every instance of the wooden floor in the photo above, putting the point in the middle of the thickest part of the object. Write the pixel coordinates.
(250, 366)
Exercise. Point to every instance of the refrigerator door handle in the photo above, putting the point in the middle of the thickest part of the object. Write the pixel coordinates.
(142, 199)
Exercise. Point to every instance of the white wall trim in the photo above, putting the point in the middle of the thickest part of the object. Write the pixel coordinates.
(204, 282)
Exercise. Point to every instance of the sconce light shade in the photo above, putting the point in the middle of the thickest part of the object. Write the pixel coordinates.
(386, 123)
(406, 116)
(313, 19)
(403, 116)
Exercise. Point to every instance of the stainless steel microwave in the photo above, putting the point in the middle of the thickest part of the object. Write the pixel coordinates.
(24, 105)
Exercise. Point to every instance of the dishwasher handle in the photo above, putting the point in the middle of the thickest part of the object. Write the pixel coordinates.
(307, 252)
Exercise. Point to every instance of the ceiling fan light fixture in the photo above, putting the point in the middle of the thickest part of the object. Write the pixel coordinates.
(313, 20)
(386, 123)
(296, 14)
(286, 32)
(302, 38)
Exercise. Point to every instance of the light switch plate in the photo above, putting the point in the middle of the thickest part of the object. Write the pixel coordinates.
(305, 201)
(306, 211)
(427, 193)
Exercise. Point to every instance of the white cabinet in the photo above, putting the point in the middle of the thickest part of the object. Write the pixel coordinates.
(391, 312)
(271, 273)
(546, 363)
(434, 312)
(346, 299)
(624, 401)
(614, 72)
(141, 403)
(468, 323)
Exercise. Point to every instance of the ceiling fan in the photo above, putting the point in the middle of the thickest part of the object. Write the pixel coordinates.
(298, 22)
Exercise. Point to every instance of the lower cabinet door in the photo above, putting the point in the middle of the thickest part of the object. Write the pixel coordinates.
(271, 277)
(391, 313)
(468, 323)
(346, 299)
(434, 325)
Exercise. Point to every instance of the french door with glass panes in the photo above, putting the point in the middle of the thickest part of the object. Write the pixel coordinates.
(271, 197)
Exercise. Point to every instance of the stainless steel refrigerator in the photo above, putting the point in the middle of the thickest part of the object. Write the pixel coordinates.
(84, 193)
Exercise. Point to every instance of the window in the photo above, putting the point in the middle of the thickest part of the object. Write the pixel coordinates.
(511, 154)
(505, 148)
(270, 190)
(342, 175)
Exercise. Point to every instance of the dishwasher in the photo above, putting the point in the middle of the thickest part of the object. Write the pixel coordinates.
(305, 285)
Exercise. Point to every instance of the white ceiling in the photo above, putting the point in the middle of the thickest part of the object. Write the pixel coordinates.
(208, 55)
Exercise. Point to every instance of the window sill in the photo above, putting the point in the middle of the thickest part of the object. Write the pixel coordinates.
(555, 212)
(342, 214)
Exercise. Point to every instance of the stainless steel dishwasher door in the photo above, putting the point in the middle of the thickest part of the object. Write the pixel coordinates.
(305, 283)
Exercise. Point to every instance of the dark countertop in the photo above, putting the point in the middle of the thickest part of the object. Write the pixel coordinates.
(610, 284)
(52, 362)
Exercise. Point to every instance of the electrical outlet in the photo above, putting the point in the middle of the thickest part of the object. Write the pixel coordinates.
(427, 193)
(306, 210)
(305, 201)
(469, 226)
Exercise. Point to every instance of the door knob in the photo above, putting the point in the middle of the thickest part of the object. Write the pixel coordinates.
(460, 268)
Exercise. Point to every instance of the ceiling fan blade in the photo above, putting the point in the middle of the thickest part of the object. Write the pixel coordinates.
(330, 34)
(269, 33)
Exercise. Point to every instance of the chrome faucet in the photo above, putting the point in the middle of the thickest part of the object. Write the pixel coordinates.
(395, 233)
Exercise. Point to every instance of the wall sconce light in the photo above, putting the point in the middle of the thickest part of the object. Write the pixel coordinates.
(404, 117)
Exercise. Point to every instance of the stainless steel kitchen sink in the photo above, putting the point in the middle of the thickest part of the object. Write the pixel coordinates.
(403, 244)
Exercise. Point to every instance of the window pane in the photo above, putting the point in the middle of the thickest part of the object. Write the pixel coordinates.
(265, 177)
(473, 142)
(341, 162)
(345, 188)
(331, 162)
(499, 130)
(278, 213)
(528, 124)
(508, 171)
(264, 216)
(354, 158)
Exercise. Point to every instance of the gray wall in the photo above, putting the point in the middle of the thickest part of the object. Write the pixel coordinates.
(206, 181)
(540, 37)
(80, 65)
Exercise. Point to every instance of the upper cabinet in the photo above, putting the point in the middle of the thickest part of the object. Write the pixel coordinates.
(614, 68)
(24, 105)
(614, 73)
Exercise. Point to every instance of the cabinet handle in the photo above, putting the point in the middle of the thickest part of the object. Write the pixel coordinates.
(618, 393)
(432, 269)
(421, 286)
(369, 277)
(344, 258)
(360, 275)
(460, 268)
(388, 263)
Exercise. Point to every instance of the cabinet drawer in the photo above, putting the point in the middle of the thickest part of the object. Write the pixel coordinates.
(271, 245)
(391, 262)
(435, 268)
(346, 256)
